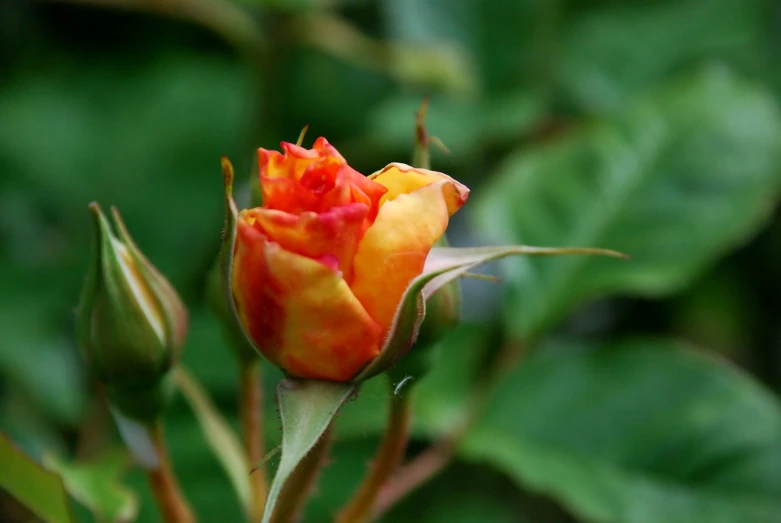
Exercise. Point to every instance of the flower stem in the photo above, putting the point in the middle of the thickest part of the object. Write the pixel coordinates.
(389, 456)
(299, 484)
(173, 507)
(418, 472)
(251, 409)
(433, 460)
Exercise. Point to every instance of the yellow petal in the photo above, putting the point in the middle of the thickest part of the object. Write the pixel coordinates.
(400, 178)
(300, 313)
(394, 249)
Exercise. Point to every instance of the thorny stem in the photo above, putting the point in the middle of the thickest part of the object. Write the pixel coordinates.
(173, 507)
(389, 456)
(251, 410)
(433, 460)
(299, 484)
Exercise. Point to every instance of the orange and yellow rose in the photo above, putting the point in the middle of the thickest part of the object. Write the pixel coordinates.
(320, 269)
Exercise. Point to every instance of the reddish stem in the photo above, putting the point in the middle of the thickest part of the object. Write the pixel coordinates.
(388, 458)
(173, 507)
(251, 411)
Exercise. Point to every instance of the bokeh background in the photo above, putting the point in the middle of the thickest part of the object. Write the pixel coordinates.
(635, 391)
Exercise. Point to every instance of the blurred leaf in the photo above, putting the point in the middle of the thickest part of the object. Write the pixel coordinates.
(412, 21)
(145, 136)
(444, 397)
(222, 440)
(30, 356)
(508, 40)
(674, 181)
(720, 312)
(96, 485)
(641, 432)
(440, 65)
(38, 489)
(20, 421)
(609, 54)
(502, 38)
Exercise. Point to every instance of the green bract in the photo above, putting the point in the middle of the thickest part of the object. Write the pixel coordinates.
(131, 322)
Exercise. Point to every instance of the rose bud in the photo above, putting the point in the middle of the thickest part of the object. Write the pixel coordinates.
(320, 270)
(131, 322)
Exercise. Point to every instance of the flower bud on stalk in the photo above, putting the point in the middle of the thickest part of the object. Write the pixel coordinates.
(320, 269)
(131, 322)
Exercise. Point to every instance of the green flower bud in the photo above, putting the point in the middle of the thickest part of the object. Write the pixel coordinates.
(131, 322)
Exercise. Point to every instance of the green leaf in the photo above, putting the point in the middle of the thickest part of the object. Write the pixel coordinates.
(221, 438)
(641, 432)
(443, 265)
(654, 39)
(38, 489)
(306, 408)
(674, 181)
(95, 484)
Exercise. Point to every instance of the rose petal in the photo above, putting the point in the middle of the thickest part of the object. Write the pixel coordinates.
(334, 233)
(324, 148)
(291, 164)
(314, 180)
(400, 178)
(299, 312)
(394, 249)
(285, 194)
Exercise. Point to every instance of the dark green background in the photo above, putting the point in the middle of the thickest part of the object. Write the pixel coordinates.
(649, 388)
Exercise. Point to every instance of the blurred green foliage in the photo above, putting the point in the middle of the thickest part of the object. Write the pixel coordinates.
(652, 127)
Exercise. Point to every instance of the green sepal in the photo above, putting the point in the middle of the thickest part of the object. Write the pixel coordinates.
(166, 297)
(443, 265)
(226, 263)
(306, 408)
(443, 310)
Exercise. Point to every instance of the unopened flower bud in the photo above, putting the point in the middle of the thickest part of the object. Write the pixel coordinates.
(131, 322)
